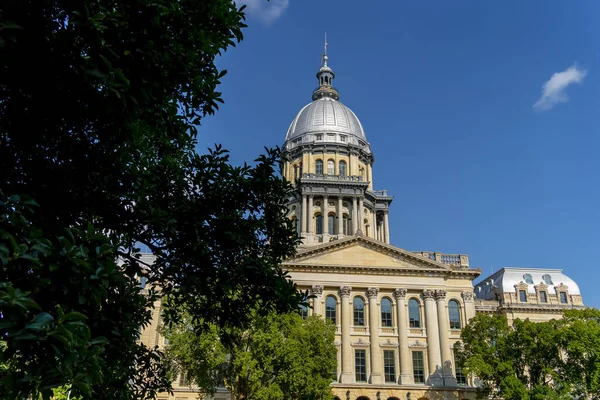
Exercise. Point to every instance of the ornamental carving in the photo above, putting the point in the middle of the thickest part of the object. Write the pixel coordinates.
(440, 295)
(428, 294)
(316, 290)
(360, 342)
(417, 343)
(372, 292)
(388, 343)
(468, 295)
(562, 287)
(400, 293)
(337, 343)
(345, 291)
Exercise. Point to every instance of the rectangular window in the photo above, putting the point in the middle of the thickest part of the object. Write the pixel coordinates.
(343, 138)
(460, 378)
(523, 296)
(183, 380)
(360, 365)
(389, 366)
(386, 318)
(319, 137)
(418, 367)
(543, 297)
(563, 297)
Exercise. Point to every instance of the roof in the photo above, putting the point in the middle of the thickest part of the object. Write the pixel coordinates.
(506, 278)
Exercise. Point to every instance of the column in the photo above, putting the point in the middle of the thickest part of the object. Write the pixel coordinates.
(406, 376)
(317, 291)
(376, 367)
(303, 215)
(354, 216)
(433, 336)
(361, 224)
(345, 321)
(340, 215)
(373, 224)
(386, 223)
(309, 227)
(440, 296)
(469, 300)
(325, 217)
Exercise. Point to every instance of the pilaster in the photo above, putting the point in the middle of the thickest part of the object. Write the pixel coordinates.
(433, 336)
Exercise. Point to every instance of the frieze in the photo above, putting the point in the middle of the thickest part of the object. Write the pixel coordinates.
(345, 291)
(400, 293)
(372, 292)
(316, 290)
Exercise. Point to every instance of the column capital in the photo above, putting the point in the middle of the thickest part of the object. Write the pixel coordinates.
(440, 295)
(345, 291)
(316, 290)
(400, 293)
(468, 295)
(428, 294)
(372, 292)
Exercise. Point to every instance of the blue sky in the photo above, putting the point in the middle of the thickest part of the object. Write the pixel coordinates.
(446, 94)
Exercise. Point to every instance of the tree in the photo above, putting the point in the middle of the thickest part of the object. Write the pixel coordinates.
(281, 356)
(548, 360)
(99, 107)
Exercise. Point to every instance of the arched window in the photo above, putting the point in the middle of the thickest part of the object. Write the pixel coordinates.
(319, 224)
(295, 223)
(454, 314)
(331, 309)
(547, 279)
(386, 312)
(361, 172)
(319, 167)
(304, 311)
(359, 311)
(528, 279)
(330, 167)
(331, 224)
(346, 224)
(414, 313)
(342, 168)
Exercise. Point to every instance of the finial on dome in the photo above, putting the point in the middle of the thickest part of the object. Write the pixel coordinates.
(325, 58)
(325, 77)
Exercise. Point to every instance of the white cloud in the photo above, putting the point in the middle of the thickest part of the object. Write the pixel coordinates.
(266, 11)
(553, 91)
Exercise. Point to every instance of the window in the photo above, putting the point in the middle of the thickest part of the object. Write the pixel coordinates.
(454, 314)
(414, 314)
(319, 167)
(330, 167)
(543, 296)
(460, 378)
(547, 279)
(418, 367)
(389, 366)
(319, 137)
(386, 312)
(304, 311)
(523, 296)
(343, 138)
(295, 223)
(360, 365)
(331, 224)
(528, 279)
(342, 168)
(319, 223)
(183, 380)
(563, 297)
(361, 172)
(359, 311)
(143, 281)
(331, 309)
(346, 225)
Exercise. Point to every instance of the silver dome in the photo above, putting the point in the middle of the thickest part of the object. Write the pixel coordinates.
(326, 115)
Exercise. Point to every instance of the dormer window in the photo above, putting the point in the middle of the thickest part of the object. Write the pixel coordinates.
(547, 279)
(563, 298)
(522, 296)
(543, 296)
(528, 279)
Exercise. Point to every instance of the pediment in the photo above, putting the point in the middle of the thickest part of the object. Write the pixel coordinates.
(358, 251)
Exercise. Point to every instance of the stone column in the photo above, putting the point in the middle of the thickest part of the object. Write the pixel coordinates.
(433, 336)
(309, 227)
(317, 291)
(345, 322)
(373, 224)
(354, 216)
(340, 215)
(469, 300)
(361, 222)
(376, 367)
(387, 226)
(406, 376)
(303, 215)
(325, 218)
(444, 329)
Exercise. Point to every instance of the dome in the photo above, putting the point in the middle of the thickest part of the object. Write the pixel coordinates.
(326, 115)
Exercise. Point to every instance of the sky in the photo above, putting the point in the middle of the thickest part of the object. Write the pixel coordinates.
(484, 117)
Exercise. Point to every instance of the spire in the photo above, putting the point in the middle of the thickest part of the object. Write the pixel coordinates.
(325, 77)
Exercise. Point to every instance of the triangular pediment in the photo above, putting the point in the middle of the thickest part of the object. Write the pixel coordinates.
(359, 251)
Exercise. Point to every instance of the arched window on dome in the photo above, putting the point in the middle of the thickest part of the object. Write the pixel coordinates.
(361, 172)
(319, 167)
(342, 168)
(331, 224)
(454, 314)
(330, 167)
(414, 313)
(346, 224)
(319, 224)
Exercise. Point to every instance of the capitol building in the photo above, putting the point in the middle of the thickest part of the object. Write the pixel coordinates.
(397, 313)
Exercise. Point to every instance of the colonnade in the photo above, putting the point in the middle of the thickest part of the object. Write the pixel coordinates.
(436, 332)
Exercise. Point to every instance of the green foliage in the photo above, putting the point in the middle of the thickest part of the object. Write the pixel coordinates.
(281, 356)
(99, 104)
(557, 359)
